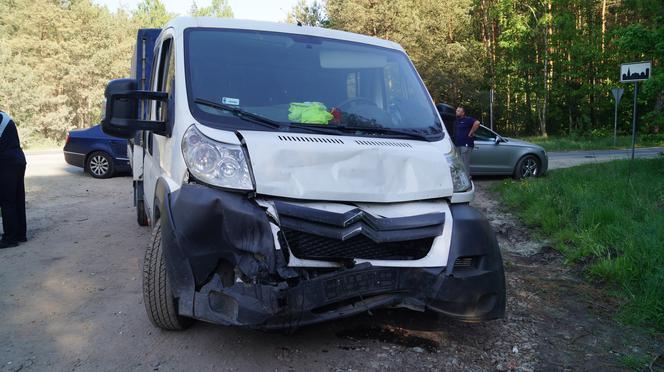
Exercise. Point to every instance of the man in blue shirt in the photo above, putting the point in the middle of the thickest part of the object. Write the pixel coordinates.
(464, 135)
(12, 187)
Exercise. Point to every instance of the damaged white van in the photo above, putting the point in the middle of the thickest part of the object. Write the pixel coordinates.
(294, 175)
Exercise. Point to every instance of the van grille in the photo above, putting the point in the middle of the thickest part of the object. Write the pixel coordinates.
(310, 246)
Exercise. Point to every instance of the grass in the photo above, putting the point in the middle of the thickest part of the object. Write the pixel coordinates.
(554, 143)
(635, 362)
(611, 225)
(32, 144)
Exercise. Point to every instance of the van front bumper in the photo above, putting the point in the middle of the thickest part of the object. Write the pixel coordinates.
(202, 227)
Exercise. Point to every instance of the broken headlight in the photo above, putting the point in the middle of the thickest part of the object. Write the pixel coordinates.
(460, 179)
(215, 163)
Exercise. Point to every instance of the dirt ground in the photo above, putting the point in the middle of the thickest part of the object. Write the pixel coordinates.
(71, 300)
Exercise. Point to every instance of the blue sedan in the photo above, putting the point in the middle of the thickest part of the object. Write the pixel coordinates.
(99, 154)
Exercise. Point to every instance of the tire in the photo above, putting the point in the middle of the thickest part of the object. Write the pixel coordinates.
(160, 304)
(141, 215)
(99, 165)
(527, 167)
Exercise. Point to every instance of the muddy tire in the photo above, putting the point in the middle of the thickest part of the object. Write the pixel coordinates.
(141, 215)
(160, 304)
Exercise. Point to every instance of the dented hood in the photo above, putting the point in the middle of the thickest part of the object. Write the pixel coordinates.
(342, 168)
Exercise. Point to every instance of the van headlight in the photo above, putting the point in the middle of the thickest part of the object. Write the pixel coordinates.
(215, 163)
(460, 179)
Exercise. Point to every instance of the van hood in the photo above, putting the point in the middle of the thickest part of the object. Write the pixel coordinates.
(343, 168)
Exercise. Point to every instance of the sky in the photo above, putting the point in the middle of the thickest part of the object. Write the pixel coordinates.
(262, 10)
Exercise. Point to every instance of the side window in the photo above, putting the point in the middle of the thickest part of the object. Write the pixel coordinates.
(170, 71)
(159, 74)
(163, 76)
(151, 86)
(484, 134)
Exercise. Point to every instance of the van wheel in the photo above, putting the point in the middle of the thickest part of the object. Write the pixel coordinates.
(141, 215)
(99, 165)
(527, 167)
(160, 304)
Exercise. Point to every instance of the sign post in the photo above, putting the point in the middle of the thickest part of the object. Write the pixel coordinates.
(491, 108)
(617, 95)
(636, 90)
(633, 73)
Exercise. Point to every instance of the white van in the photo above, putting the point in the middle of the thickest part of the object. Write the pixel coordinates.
(293, 175)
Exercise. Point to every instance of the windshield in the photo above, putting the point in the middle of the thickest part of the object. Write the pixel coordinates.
(309, 81)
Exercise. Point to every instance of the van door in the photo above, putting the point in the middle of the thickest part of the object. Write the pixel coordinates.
(141, 70)
(162, 76)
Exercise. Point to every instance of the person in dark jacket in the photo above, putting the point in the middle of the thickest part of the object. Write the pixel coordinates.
(464, 135)
(12, 187)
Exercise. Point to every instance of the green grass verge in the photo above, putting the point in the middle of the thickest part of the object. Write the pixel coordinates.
(636, 362)
(595, 143)
(31, 144)
(612, 226)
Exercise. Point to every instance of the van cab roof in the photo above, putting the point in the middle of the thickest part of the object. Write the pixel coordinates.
(179, 24)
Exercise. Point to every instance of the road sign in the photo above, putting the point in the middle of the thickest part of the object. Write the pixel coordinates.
(617, 94)
(633, 73)
(636, 71)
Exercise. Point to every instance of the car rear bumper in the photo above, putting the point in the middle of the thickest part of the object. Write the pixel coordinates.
(202, 227)
(74, 158)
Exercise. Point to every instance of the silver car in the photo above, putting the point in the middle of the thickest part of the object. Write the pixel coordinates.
(497, 155)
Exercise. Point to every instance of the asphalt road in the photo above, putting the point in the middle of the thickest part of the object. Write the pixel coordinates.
(564, 159)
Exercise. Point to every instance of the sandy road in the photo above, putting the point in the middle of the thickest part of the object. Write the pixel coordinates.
(71, 299)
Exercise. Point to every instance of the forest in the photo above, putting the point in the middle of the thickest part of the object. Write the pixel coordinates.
(550, 63)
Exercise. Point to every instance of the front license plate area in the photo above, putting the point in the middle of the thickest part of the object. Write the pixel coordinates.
(354, 284)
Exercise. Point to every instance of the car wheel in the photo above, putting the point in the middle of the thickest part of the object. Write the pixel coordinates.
(160, 304)
(527, 167)
(99, 165)
(141, 215)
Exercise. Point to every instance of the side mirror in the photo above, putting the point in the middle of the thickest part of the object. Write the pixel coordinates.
(122, 102)
(498, 140)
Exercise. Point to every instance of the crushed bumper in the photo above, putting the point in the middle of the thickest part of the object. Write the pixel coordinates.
(203, 227)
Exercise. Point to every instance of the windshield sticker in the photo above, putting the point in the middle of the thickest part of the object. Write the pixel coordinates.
(230, 101)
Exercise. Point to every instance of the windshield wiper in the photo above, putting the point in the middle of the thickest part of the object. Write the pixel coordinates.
(240, 113)
(384, 130)
(332, 129)
(434, 131)
(255, 118)
(318, 128)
